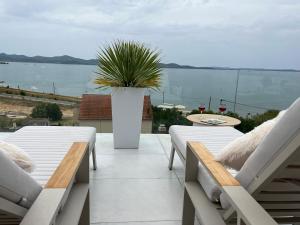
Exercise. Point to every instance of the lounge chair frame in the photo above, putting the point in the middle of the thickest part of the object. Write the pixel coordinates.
(272, 194)
(64, 199)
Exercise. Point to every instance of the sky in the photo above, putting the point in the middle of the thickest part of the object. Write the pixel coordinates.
(235, 33)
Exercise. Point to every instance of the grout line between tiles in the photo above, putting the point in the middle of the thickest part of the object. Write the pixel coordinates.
(166, 154)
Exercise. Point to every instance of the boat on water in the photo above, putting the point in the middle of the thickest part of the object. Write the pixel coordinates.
(3, 62)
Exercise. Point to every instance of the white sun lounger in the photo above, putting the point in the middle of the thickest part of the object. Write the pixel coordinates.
(265, 190)
(215, 138)
(58, 189)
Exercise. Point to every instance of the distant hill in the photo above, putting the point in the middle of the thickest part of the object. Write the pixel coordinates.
(66, 59)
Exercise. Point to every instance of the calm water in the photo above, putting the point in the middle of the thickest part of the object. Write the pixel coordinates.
(267, 89)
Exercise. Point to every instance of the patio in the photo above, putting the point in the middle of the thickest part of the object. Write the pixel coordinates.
(135, 186)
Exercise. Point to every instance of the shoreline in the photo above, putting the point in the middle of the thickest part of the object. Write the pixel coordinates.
(179, 67)
(163, 66)
(28, 93)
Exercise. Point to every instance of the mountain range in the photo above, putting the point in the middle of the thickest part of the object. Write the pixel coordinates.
(66, 59)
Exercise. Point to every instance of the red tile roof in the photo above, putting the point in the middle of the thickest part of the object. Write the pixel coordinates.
(98, 107)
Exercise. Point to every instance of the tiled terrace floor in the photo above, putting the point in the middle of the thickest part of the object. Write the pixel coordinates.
(136, 186)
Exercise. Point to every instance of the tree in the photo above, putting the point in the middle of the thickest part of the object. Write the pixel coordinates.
(40, 111)
(47, 110)
(54, 112)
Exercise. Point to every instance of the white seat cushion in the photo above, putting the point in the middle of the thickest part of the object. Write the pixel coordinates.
(47, 145)
(215, 139)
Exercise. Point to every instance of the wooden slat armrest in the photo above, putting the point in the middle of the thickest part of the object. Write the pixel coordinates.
(216, 169)
(65, 172)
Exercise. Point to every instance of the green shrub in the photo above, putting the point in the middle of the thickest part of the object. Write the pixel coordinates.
(23, 93)
(249, 123)
(196, 111)
(168, 117)
(54, 112)
(260, 118)
(47, 110)
(40, 111)
(5, 122)
(174, 117)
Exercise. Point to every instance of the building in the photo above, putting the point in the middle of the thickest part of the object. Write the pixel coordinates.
(95, 111)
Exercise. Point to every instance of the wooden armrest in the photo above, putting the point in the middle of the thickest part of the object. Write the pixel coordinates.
(216, 169)
(65, 172)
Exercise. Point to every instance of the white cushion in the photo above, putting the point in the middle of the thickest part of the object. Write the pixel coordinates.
(47, 145)
(235, 154)
(17, 155)
(15, 184)
(215, 139)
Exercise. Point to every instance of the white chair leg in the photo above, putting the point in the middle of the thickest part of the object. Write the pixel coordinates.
(171, 157)
(94, 158)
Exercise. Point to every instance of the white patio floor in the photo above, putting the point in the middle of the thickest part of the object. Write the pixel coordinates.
(136, 186)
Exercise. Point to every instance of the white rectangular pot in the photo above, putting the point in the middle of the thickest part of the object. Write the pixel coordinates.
(127, 111)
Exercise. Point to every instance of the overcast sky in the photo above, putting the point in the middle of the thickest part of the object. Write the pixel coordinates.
(237, 33)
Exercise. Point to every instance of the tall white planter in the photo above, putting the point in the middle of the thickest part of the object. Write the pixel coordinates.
(127, 112)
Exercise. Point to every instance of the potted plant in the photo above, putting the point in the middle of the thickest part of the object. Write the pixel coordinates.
(129, 68)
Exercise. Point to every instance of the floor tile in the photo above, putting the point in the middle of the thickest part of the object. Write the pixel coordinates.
(149, 144)
(132, 166)
(121, 200)
(165, 141)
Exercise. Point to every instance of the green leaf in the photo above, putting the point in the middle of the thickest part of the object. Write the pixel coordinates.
(128, 64)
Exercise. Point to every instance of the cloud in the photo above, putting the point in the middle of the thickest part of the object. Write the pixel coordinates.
(213, 27)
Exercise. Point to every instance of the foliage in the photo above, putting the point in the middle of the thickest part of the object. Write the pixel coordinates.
(196, 111)
(249, 123)
(23, 93)
(128, 64)
(47, 110)
(167, 117)
(5, 122)
(40, 111)
(172, 116)
(54, 112)
(260, 118)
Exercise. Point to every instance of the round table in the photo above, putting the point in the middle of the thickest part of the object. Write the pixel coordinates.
(196, 119)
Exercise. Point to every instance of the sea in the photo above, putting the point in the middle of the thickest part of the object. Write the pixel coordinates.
(253, 91)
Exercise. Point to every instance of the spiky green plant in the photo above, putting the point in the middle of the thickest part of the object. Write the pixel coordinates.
(128, 64)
